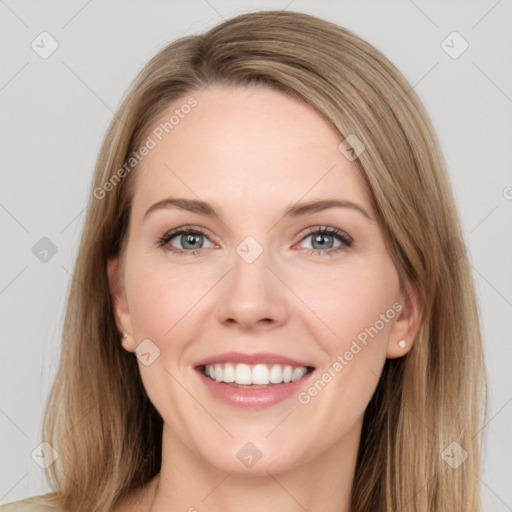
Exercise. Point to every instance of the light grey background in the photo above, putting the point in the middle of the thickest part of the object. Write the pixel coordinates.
(55, 112)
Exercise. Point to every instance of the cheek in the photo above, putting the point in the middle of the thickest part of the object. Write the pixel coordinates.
(160, 305)
(160, 296)
(353, 303)
(356, 304)
(152, 305)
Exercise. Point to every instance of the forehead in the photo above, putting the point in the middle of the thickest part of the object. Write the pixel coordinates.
(246, 147)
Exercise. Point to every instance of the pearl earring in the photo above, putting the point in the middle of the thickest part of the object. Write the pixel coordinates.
(123, 337)
(402, 343)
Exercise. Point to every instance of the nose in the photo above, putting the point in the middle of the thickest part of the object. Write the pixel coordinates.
(252, 296)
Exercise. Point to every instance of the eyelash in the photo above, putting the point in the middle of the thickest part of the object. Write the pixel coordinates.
(346, 241)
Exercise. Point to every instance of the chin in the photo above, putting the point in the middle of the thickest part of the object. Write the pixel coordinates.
(256, 457)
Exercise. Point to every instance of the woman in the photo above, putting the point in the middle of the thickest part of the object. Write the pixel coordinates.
(271, 306)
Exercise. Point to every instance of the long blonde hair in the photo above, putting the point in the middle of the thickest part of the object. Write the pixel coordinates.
(99, 418)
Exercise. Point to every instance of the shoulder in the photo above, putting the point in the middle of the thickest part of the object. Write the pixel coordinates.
(33, 504)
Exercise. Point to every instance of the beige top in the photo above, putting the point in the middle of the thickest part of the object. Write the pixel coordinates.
(33, 504)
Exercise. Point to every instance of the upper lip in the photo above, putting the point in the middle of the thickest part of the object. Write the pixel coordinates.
(256, 358)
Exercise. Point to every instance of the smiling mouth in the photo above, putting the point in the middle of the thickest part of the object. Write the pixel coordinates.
(254, 376)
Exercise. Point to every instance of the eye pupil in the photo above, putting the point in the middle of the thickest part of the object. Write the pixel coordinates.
(320, 237)
(190, 239)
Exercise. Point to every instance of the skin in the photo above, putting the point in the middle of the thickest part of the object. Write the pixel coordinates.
(253, 152)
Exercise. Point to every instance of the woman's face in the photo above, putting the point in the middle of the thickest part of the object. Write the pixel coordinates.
(255, 294)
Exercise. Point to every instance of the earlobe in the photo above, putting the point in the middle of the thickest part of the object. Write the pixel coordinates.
(119, 303)
(406, 325)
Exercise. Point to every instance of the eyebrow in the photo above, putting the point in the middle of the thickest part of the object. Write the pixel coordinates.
(296, 210)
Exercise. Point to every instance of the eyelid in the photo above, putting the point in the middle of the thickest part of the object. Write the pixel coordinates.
(186, 229)
(331, 230)
(346, 241)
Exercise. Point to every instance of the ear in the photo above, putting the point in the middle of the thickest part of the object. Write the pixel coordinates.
(406, 325)
(120, 304)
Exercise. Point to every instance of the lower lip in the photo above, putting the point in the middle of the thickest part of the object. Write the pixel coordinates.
(253, 398)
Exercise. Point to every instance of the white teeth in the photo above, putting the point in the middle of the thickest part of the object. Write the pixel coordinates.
(242, 374)
(276, 374)
(229, 373)
(218, 372)
(259, 374)
(287, 374)
(298, 373)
